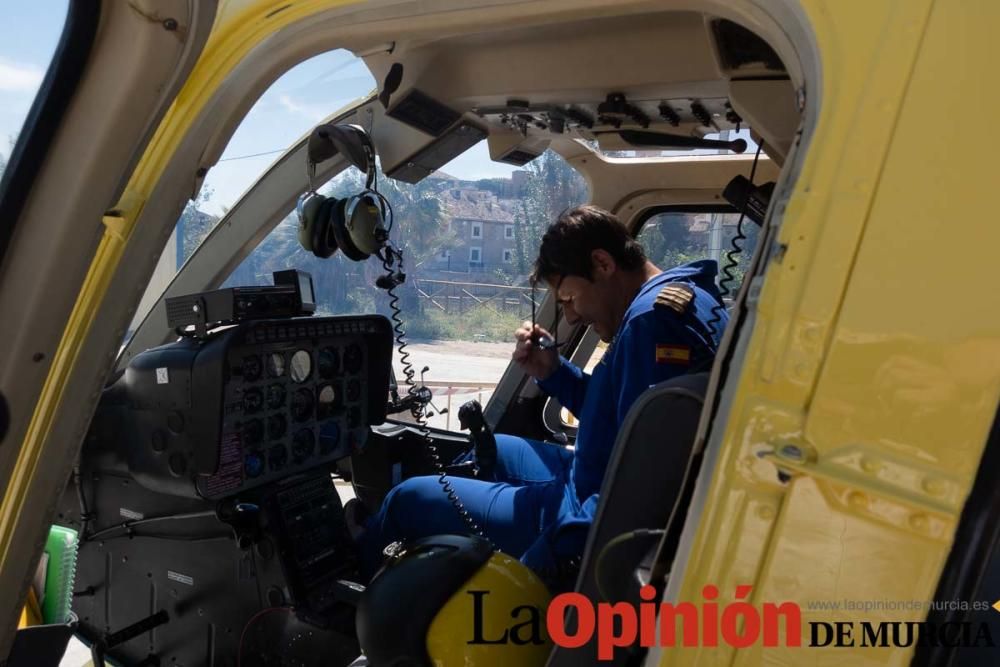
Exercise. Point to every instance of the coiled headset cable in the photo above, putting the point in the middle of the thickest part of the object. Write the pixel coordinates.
(733, 253)
(392, 263)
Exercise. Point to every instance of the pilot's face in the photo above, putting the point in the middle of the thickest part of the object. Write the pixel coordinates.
(588, 302)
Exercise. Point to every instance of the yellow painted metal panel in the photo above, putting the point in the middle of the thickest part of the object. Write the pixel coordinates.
(877, 352)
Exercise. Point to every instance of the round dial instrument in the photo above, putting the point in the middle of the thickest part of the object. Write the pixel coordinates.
(276, 364)
(253, 464)
(253, 400)
(353, 358)
(275, 396)
(354, 390)
(253, 431)
(328, 362)
(301, 366)
(303, 443)
(276, 426)
(277, 457)
(251, 368)
(326, 400)
(302, 405)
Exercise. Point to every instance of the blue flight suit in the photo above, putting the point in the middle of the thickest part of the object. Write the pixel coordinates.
(545, 496)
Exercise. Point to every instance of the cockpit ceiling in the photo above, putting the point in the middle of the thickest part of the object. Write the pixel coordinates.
(664, 71)
(670, 55)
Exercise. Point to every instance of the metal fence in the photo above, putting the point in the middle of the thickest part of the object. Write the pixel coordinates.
(458, 297)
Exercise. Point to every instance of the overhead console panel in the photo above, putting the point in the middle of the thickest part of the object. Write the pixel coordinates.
(680, 76)
(431, 157)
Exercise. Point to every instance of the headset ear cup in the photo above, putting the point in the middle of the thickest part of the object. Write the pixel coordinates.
(308, 215)
(322, 247)
(364, 218)
(342, 235)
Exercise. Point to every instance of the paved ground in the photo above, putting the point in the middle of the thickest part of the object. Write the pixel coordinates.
(458, 360)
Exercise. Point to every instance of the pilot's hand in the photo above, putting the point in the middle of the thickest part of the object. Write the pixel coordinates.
(535, 360)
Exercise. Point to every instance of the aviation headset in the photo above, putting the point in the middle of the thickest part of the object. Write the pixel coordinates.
(358, 225)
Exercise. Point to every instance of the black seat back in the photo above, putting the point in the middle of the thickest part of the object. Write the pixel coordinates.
(641, 486)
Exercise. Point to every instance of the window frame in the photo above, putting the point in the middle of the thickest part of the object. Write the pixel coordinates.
(508, 232)
(475, 227)
(52, 100)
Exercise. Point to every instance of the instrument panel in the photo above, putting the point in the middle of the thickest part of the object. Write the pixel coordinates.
(256, 402)
(296, 395)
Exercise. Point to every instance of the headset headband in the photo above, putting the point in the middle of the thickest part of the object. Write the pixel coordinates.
(350, 141)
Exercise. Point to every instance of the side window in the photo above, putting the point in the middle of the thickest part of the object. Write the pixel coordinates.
(29, 34)
(678, 237)
(674, 238)
(466, 288)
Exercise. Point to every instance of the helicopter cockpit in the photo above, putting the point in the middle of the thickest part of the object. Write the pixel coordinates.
(212, 530)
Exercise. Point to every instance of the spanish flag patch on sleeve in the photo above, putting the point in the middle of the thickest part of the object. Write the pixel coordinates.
(673, 354)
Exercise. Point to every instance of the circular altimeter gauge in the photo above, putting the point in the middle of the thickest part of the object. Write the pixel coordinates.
(301, 366)
(276, 364)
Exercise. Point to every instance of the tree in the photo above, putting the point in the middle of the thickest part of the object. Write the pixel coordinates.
(194, 224)
(11, 141)
(419, 220)
(551, 187)
(668, 241)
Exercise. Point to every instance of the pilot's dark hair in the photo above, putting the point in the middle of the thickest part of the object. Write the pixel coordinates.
(568, 243)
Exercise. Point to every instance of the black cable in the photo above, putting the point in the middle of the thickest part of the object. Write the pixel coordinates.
(85, 515)
(127, 526)
(418, 411)
(736, 249)
(175, 538)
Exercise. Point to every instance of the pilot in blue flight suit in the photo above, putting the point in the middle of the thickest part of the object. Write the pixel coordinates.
(657, 324)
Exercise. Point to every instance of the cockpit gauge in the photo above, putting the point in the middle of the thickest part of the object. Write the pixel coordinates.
(353, 358)
(354, 390)
(275, 396)
(328, 362)
(251, 368)
(302, 405)
(253, 400)
(326, 400)
(276, 364)
(303, 444)
(301, 366)
(253, 431)
(276, 426)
